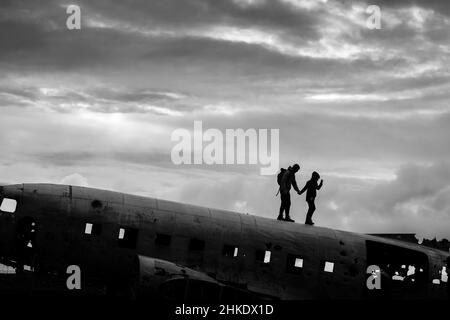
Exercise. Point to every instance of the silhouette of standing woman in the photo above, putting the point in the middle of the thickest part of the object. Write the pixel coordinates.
(310, 187)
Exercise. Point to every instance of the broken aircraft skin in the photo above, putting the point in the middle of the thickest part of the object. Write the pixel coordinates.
(137, 246)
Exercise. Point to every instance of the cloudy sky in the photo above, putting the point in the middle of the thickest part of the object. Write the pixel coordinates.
(368, 109)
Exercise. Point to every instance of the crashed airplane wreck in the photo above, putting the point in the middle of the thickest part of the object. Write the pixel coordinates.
(131, 246)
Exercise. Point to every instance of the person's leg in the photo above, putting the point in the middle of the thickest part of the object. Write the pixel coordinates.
(288, 207)
(307, 219)
(311, 209)
(280, 214)
(282, 206)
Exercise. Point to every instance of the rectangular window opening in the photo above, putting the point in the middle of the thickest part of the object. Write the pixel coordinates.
(88, 228)
(28, 268)
(298, 263)
(328, 266)
(8, 205)
(267, 256)
(128, 238)
(92, 229)
(404, 266)
(294, 263)
(444, 275)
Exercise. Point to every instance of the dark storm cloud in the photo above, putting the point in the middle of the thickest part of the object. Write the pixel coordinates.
(152, 34)
(201, 13)
(29, 44)
(59, 51)
(34, 32)
(441, 6)
(19, 37)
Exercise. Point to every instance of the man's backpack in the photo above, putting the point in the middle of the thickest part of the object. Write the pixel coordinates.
(279, 177)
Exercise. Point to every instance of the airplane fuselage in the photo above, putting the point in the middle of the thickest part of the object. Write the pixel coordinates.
(105, 232)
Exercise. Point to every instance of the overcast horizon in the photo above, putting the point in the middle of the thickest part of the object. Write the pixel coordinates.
(368, 109)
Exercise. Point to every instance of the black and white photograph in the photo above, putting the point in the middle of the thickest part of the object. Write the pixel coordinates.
(225, 158)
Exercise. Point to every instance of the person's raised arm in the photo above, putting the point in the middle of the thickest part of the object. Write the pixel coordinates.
(320, 185)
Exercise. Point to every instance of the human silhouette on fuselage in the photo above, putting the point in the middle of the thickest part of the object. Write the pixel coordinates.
(310, 187)
(287, 181)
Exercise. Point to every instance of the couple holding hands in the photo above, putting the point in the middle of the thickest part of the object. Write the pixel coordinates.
(286, 179)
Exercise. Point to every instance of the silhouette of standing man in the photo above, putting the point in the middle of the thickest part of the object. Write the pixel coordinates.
(287, 181)
(310, 187)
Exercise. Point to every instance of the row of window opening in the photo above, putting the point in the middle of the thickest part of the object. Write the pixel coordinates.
(127, 238)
